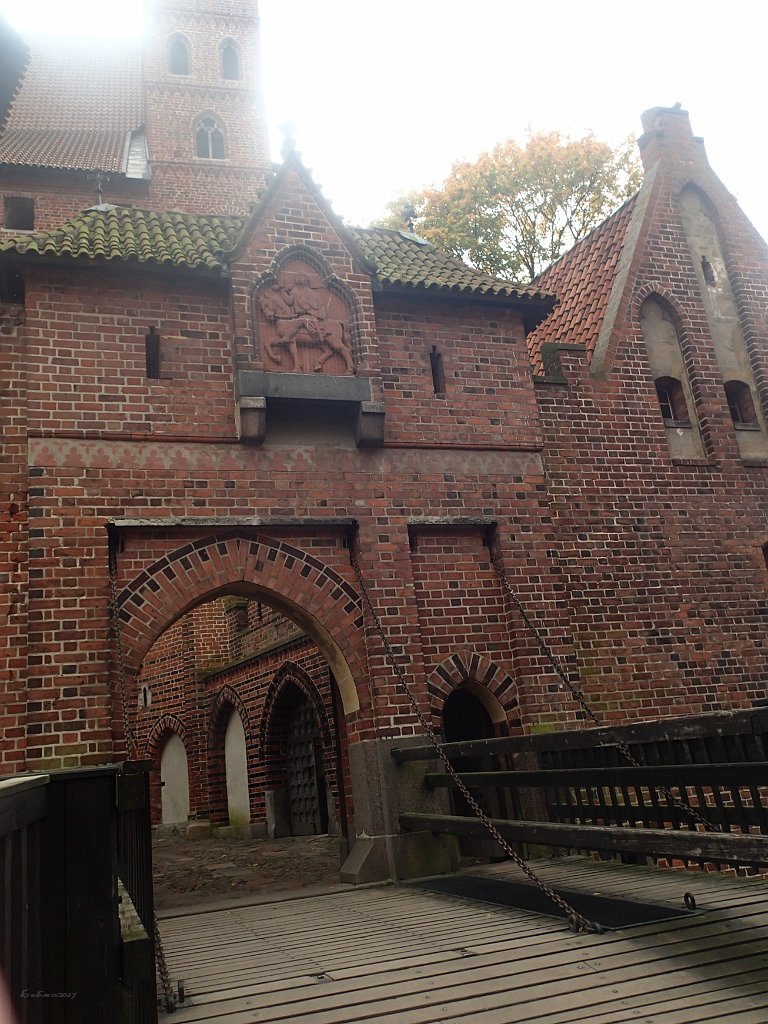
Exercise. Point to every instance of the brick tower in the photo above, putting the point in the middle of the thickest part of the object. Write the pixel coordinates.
(205, 122)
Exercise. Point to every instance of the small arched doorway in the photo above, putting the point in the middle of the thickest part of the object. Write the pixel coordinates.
(466, 718)
(174, 782)
(236, 772)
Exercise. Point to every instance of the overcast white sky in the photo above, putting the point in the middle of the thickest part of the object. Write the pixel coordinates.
(385, 96)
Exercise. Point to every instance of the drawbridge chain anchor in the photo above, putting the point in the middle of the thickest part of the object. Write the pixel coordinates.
(575, 920)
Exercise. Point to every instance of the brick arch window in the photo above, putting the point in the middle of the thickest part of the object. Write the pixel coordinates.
(209, 138)
(740, 403)
(674, 408)
(230, 60)
(178, 55)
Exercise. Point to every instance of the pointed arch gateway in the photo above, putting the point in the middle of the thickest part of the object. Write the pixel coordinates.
(311, 593)
(296, 744)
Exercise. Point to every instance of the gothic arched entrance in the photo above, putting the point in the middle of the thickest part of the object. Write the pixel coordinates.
(297, 743)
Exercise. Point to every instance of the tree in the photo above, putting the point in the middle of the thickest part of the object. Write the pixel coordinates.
(516, 209)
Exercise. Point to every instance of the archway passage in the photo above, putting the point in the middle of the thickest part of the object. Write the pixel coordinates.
(256, 704)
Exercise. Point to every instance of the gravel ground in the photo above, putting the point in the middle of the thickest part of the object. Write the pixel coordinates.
(194, 870)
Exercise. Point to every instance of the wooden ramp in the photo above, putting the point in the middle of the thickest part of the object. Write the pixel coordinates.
(406, 956)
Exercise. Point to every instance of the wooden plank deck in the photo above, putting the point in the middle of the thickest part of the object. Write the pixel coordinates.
(406, 956)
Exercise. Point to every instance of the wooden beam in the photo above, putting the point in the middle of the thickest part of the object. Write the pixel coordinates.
(735, 774)
(723, 723)
(710, 846)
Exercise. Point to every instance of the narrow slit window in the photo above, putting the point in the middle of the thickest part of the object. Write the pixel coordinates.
(674, 408)
(230, 62)
(740, 403)
(152, 354)
(438, 372)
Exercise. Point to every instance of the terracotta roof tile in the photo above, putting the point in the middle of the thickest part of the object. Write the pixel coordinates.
(582, 281)
(96, 92)
(60, 147)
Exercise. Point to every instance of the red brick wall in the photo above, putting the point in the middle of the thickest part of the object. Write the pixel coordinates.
(14, 544)
(646, 578)
(194, 666)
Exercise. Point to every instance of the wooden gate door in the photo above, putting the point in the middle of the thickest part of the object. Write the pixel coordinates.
(303, 790)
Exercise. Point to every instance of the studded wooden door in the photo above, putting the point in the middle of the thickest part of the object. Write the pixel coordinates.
(303, 753)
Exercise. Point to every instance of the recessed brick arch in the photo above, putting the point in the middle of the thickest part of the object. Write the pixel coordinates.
(227, 697)
(164, 725)
(153, 748)
(228, 701)
(488, 681)
(276, 572)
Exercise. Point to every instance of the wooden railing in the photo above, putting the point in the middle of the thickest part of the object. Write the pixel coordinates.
(71, 952)
(576, 790)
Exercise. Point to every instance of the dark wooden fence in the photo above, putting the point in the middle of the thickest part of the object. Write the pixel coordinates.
(77, 896)
(576, 790)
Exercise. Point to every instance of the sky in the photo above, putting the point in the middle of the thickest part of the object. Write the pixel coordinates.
(384, 97)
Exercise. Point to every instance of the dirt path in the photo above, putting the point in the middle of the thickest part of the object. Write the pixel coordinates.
(195, 870)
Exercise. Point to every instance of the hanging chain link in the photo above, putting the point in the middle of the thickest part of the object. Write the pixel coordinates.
(576, 920)
(169, 1000)
(578, 696)
(169, 997)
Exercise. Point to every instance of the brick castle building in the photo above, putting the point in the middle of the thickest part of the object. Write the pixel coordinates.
(216, 395)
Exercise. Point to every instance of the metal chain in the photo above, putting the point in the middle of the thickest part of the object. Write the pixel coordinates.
(576, 920)
(169, 1000)
(578, 696)
(130, 737)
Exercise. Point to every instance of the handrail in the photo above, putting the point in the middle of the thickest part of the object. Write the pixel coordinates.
(722, 723)
(715, 847)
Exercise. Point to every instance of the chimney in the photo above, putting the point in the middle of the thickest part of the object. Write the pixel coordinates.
(667, 136)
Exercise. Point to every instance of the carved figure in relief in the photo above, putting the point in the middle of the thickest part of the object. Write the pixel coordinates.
(299, 318)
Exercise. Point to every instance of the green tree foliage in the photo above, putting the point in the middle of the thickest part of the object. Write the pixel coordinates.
(515, 210)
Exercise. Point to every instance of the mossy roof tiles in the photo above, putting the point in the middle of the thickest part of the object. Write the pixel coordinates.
(193, 241)
(183, 240)
(402, 259)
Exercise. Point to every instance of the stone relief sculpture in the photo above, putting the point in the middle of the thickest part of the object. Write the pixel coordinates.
(302, 325)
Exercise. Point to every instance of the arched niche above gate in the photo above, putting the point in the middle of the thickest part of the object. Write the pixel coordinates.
(302, 317)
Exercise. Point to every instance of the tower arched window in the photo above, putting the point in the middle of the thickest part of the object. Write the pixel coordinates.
(740, 403)
(178, 56)
(209, 138)
(230, 61)
(674, 408)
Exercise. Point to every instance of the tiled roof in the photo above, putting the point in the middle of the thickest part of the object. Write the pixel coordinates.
(190, 240)
(95, 92)
(582, 280)
(405, 260)
(124, 233)
(60, 147)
